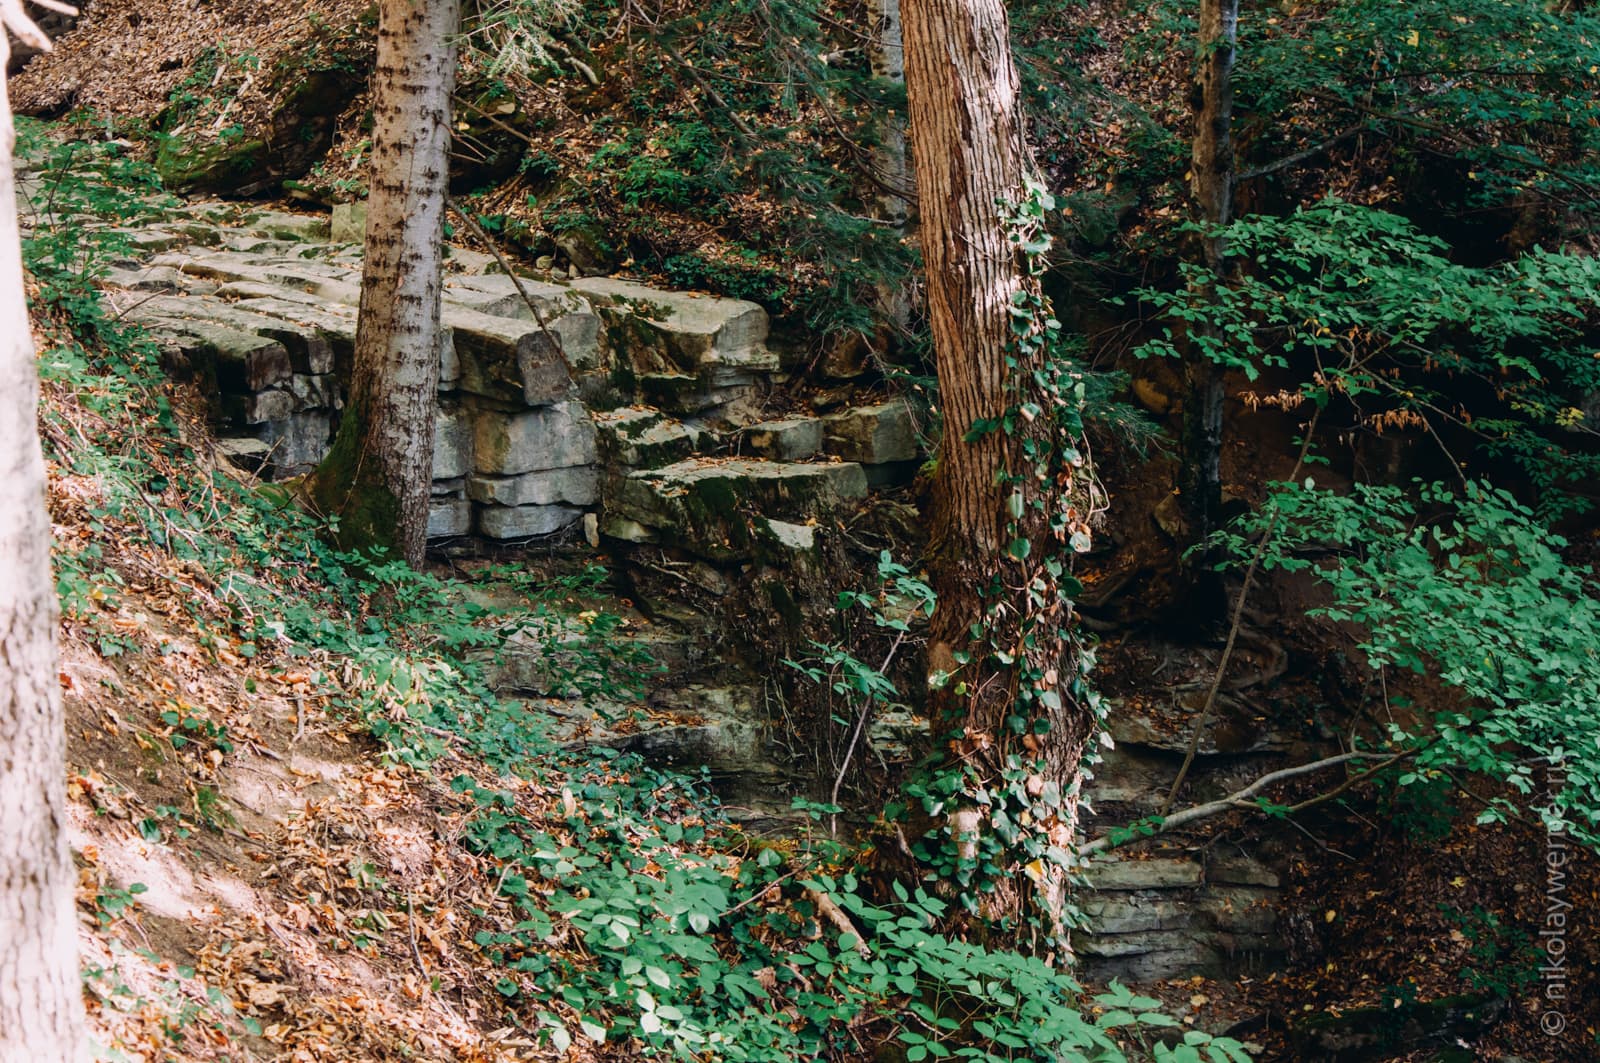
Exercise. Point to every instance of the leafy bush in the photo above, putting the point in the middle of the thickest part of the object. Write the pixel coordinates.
(1374, 312)
(1469, 588)
(694, 942)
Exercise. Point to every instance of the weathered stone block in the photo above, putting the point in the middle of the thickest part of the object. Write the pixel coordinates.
(1129, 913)
(331, 325)
(245, 453)
(310, 351)
(452, 442)
(348, 223)
(643, 439)
(1241, 871)
(791, 439)
(507, 360)
(148, 241)
(282, 225)
(315, 392)
(466, 261)
(239, 361)
(795, 538)
(525, 522)
(259, 407)
(448, 517)
(156, 279)
(566, 314)
(709, 507)
(578, 486)
(873, 435)
(1122, 874)
(629, 531)
(549, 437)
(299, 441)
(663, 332)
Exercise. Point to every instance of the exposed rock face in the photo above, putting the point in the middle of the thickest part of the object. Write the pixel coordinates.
(535, 376)
(1167, 916)
(790, 439)
(711, 508)
(262, 313)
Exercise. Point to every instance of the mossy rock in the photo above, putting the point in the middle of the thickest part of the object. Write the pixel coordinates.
(487, 130)
(286, 146)
(718, 509)
(184, 164)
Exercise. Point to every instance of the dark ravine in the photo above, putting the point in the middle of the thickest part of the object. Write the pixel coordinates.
(644, 427)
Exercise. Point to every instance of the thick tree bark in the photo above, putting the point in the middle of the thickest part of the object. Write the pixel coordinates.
(970, 151)
(376, 477)
(1212, 182)
(41, 1004)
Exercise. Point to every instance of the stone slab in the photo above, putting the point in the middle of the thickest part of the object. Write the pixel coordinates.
(577, 486)
(547, 437)
(789, 439)
(507, 360)
(662, 330)
(873, 435)
(525, 522)
(449, 517)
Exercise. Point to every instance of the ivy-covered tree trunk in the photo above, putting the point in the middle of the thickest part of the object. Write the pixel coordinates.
(41, 1004)
(376, 477)
(1002, 656)
(1212, 180)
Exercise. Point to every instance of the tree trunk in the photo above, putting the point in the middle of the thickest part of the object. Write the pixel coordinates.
(1212, 181)
(888, 62)
(41, 1003)
(890, 160)
(967, 134)
(377, 475)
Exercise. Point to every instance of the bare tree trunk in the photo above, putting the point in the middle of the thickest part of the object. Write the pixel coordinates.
(377, 475)
(1212, 181)
(888, 62)
(41, 1003)
(967, 133)
(890, 158)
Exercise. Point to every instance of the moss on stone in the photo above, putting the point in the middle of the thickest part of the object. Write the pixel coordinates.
(184, 163)
(367, 513)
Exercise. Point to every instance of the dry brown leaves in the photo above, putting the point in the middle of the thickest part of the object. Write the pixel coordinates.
(126, 57)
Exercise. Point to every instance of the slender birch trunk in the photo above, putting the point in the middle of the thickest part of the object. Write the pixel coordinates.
(41, 1003)
(377, 475)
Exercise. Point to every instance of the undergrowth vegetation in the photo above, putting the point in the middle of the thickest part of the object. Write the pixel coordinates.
(629, 910)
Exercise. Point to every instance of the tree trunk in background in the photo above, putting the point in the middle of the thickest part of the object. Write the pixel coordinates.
(967, 135)
(41, 1003)
(376, 477)
(1212, 179)
(889, 158)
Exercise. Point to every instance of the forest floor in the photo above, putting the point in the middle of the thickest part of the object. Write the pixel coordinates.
(262, 877)
(303, 834)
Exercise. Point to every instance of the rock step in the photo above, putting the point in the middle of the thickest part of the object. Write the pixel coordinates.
(729, 509)
(1170, 917)
(635, 437)
(263, 307)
